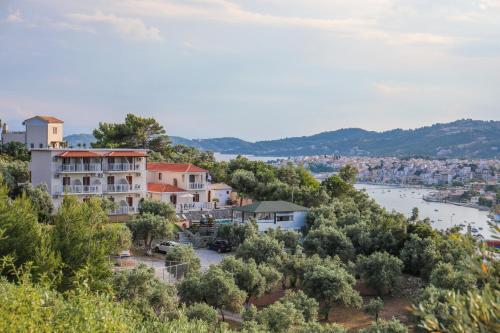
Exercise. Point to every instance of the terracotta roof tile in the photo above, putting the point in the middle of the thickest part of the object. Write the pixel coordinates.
(79, 153)
(174, 167)
(127, 154)
(48, 119)
(159, 187)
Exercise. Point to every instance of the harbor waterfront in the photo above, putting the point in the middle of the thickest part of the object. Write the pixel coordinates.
(442, 215)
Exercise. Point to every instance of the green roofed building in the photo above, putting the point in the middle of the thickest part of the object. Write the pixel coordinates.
(272, 214)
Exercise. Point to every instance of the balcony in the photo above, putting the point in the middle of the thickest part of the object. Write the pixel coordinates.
(123, 167)
(75, 168)
(122, 188)
(123, 210)
(197, 186)
(81, 189)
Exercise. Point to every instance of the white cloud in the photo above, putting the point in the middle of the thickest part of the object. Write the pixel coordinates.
(125, 26)
(14, 17)
(228, 12)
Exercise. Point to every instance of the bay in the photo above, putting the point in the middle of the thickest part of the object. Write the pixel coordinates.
(443, 215)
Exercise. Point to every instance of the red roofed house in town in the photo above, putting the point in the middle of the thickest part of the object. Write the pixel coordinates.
(183, 185)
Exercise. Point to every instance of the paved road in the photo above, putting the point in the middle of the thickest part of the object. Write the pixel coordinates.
(207, 258)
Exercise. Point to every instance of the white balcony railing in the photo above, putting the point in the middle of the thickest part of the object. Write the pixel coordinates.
(82, 189)
(182, 207)
(196, 186)
(122, 188)
(123, 210)
(123, 167)
(90, 167)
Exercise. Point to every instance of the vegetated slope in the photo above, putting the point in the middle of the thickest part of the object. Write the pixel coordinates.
(461, 138)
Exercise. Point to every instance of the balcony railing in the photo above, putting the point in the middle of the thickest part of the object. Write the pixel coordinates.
(122, 188)
(123, 167)
(92, 167)
(196, 186)
(82, 189)
(182, 207)
(123, 210)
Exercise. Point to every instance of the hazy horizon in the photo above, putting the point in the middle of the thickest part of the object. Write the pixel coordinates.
(255, 70)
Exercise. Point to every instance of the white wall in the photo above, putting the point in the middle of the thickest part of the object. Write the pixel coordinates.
(182, 181)
(299, 221)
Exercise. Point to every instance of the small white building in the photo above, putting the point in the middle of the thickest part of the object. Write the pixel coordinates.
(40, 132)
(116, 174)
(272, 215)
(221, 192)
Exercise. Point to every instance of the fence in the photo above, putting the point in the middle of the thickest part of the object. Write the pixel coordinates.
(170, 271)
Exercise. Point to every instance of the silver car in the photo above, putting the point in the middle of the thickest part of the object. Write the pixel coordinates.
(165, 246)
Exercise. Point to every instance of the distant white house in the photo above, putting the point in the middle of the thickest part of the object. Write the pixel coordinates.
(40, 132)
(221, 192)
(272, 214)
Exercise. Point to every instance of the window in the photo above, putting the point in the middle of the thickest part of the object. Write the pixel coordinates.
(159, 176)
(284, 218)
(130, 201)
(173, 199)
(32, 145)
(175, 182)
(41, 145)
(86, 181)
(196, 197)
(192, 178)
(54, 130)
(111, 180)
(66, 181)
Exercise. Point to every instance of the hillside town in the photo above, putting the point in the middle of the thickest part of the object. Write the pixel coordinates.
(466, 181)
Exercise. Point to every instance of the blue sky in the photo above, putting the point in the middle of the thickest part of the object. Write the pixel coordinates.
(257, 69)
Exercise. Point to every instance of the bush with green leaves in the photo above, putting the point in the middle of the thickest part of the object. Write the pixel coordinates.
(329, 241)
(183, 254)
(216, 287)
(280, 317)
(261, 249)
(380, 271)
(331, 285)
(254, 279)
(306, 305)
(386, 326)
(236, 234)
(148, 227)
(202, 311)
(374, 307)
(159, 208)
(447, 276)
(140, 288)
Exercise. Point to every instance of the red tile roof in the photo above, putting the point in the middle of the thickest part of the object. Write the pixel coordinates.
(174, 167)
(91, 153)
(48, 119)
(158, 187)
(127, 154)
(79, 153)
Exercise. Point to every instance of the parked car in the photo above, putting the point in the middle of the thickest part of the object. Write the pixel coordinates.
(164, 247)
(220, 246)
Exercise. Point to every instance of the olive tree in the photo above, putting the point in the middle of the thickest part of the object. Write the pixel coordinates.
(374, 307)
(183, 254)
(380, 271)
(149, 227)
(331, 285)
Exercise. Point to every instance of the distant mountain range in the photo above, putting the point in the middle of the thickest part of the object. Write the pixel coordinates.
(461, 138)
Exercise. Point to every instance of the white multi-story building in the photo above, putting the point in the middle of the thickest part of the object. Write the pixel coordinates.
(183, 185)
(40, 132)
(117, 174)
